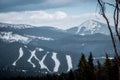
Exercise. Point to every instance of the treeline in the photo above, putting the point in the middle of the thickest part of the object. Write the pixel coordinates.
(87, 70)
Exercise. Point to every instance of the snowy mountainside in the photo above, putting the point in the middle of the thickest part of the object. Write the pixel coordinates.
(90, 27)
(11, 37)
(39, 31)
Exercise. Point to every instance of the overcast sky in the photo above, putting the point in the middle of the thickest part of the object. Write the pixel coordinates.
(57, 13)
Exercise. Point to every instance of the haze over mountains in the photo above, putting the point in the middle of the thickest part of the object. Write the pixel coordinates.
(49, 49)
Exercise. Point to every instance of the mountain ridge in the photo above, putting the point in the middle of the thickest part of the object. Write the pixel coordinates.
(88, 27)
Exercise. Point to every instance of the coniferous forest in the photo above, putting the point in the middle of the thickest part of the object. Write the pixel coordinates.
(87, 70)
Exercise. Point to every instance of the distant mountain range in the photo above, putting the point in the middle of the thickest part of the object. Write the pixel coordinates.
(49, 49)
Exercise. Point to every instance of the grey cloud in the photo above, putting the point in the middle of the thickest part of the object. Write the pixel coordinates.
(11, 3)
(23, 5)
(27, 5)
(18, 5)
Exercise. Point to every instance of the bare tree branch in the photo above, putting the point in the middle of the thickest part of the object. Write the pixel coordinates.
(102, 9)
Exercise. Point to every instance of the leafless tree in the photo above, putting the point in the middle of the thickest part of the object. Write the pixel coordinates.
(116, 12)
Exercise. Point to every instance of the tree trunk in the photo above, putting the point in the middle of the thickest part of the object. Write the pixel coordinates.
(119, 72)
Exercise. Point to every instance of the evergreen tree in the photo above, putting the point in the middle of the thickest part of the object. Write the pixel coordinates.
(91, 74)
(90, 61)
(115, 70)
(71, 75)
(82, 62)
(83, 68)
(107, 68)
(98, 71)
(98, 65)
(107, 63)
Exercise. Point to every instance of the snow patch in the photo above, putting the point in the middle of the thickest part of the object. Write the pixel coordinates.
(32, 55)
(10, 37)
(24, 71)
(81, 34)
(40, 49)
(69, 62)
(48, 52)
(103, 57)
(41, 62)
(40, 38)
(20, 55)
(43, 66)
(57, 62)
(82, 44)
(25, 46)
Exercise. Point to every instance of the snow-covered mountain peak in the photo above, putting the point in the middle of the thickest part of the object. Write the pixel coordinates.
(90, 25)
(15, 26)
